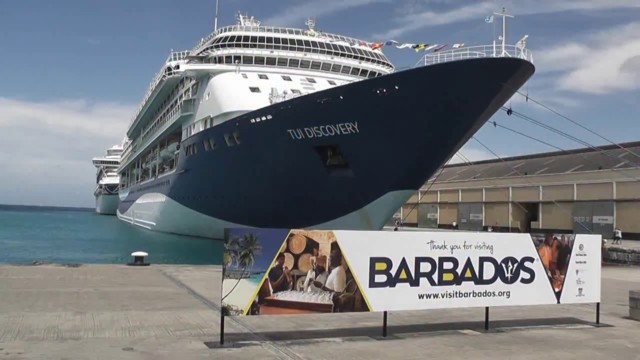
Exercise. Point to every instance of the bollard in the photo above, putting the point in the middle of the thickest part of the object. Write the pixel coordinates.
(634, 304)
(138, 258)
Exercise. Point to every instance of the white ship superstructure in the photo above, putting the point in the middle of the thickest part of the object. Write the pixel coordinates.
(267, 126)
(107, 181)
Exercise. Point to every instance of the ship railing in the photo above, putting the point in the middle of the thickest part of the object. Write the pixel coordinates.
(476, 52)
(185, 107)
(274, 30)
(164, 73)
(299, 56)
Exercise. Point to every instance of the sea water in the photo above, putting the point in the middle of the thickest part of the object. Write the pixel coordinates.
(46, 235)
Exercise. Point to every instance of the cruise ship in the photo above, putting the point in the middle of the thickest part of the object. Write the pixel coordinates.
(278, 127)
(107, 181)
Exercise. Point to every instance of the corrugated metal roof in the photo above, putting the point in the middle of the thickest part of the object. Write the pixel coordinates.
(574, 161)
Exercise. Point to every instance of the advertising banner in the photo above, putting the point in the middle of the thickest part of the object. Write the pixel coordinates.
(282, 271)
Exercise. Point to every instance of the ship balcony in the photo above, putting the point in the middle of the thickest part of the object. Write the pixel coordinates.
(476, 52)
(171, 121)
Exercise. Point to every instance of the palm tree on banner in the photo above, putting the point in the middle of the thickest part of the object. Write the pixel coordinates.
(242, 252)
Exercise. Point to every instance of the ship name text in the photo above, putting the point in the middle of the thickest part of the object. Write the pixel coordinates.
(324, 131)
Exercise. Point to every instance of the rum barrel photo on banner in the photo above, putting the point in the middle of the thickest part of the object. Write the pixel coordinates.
(297, 243)
(289, 260)
(304, 262)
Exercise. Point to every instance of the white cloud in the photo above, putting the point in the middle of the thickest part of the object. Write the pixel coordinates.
(299, 13)
(601, 63)
(48, 148)
(411, 20)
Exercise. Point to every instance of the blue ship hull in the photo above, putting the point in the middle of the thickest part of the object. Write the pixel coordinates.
(393, 131)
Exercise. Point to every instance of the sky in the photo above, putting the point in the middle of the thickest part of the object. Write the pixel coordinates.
(72, 72)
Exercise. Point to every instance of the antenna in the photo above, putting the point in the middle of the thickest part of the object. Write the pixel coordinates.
(215, 22)
(311, 23)
(504, 28)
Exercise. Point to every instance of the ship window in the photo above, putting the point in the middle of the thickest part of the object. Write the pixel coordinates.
(254, 89)
(269, 40)
(245, 39)
(355, 71)
(259, 60)
(282, 61)
(315, 65)
(331, 82)
(335, 68)
(254, 39)
(304, 64)
(286, 78)
(236, 136)
(326, 67)
(271, 61)
(277, 41)
(311, 80)
(261, 40)
(262, 76)
(206, 145)
(346, 69)
(307, 43)
(364, 73)
(247, 60)
(296, 91)
(212, 144)
(237, 59)
(294, 63)
(299, 42)
(244, 76)
(228, 59)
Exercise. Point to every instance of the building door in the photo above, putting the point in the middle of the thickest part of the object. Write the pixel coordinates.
(593, 217)
(428, 216)
(470, 216)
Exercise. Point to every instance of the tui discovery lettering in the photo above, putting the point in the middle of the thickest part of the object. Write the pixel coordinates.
(448, 271)
(324, 131)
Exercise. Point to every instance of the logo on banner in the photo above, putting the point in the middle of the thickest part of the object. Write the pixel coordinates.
(446, 271)
(581, 255)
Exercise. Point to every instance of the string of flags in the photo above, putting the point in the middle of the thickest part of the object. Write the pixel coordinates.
(380, 44)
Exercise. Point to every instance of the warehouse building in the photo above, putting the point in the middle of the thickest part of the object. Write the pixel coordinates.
(577, 191)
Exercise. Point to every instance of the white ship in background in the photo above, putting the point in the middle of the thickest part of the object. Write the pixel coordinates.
(107, 181)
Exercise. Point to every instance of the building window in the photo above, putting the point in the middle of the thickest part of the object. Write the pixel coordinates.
(254, 89)
(263, 77)
(286, 78)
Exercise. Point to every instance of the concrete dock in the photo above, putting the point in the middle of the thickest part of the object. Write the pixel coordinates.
(171, 312)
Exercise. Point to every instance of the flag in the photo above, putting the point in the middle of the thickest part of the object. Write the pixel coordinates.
(391, 42)
(456, 46)
(430, 47)
(377, 45)
(419, 47)
(488, 19)
(440, 47)
(405, 45)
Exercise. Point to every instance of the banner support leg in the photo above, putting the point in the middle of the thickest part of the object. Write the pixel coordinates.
(486, 318)
(597, 313)
(384, 324)
(221, 328)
